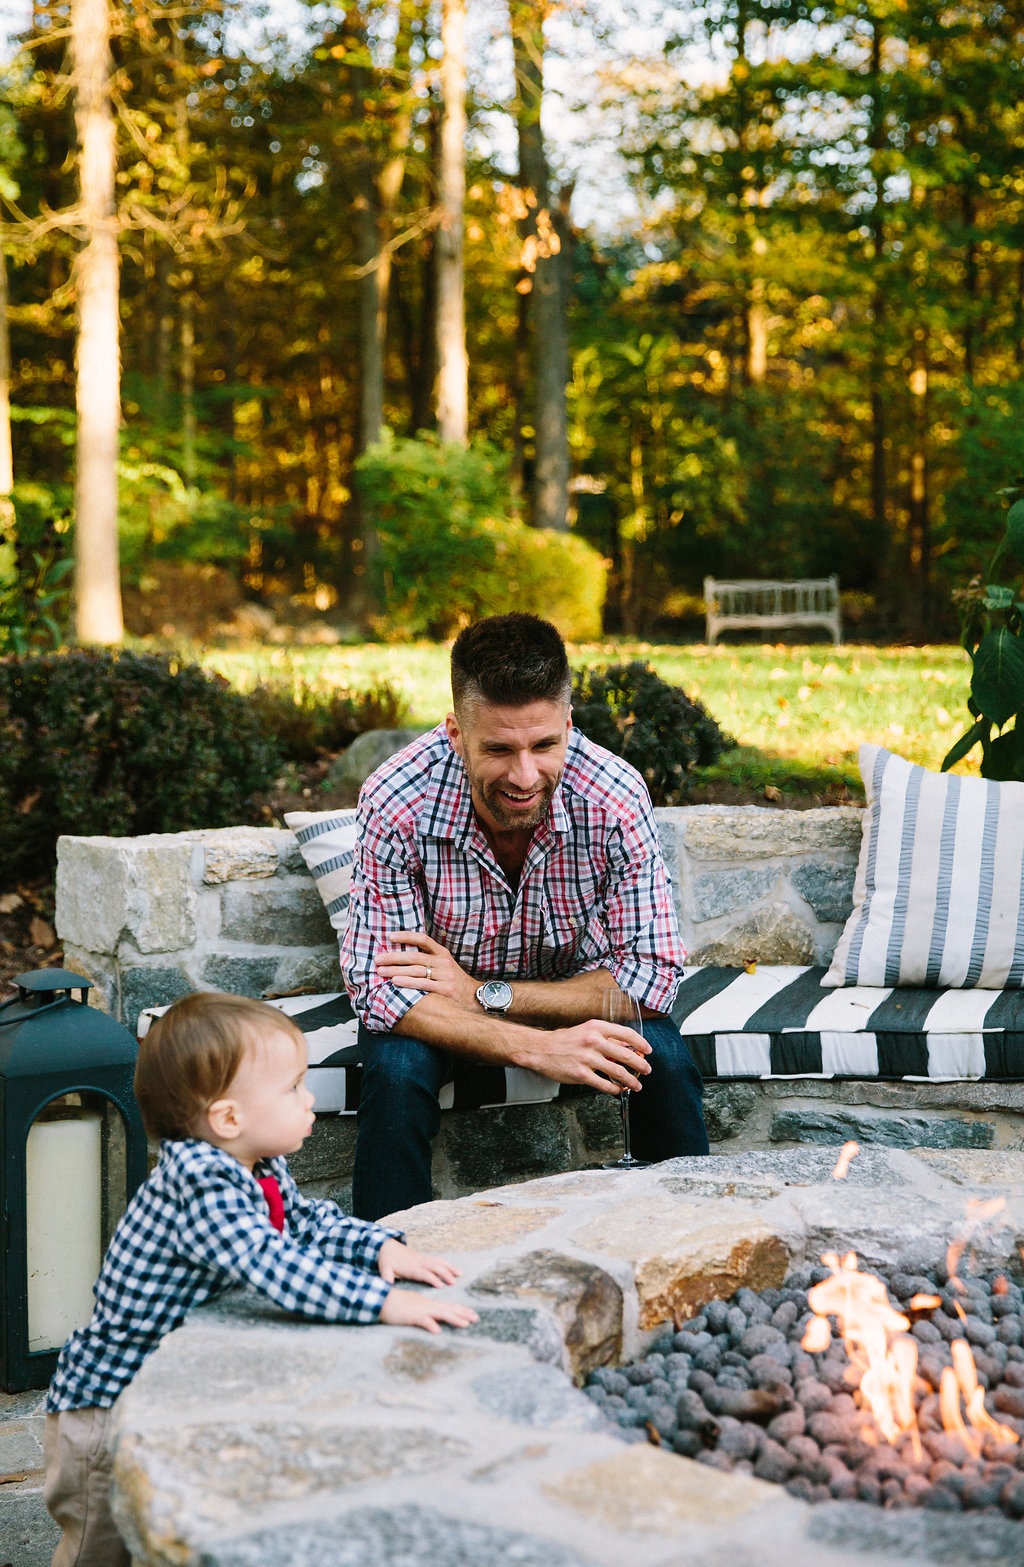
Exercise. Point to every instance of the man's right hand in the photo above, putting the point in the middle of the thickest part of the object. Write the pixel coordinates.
(601, 1055)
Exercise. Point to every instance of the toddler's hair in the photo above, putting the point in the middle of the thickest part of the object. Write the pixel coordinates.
(190, 1056)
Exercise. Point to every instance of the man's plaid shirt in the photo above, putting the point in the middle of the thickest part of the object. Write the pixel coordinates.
(198, 1225)
(593, 892)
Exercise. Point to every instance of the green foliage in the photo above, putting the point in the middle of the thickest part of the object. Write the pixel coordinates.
(35, 584)
(448, 552)
(306, 721)
(630, 710)
(97, 742)
(992, 616)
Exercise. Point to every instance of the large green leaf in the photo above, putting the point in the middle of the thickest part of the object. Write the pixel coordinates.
(979, 731)
(1004, 758)
(997, 597)
(997, 684)
(1015, 529)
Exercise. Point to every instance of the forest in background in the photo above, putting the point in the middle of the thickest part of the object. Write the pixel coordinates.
(805, 355)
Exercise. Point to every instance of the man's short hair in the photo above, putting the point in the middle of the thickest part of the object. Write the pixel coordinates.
(191, 1054)
(510, 660)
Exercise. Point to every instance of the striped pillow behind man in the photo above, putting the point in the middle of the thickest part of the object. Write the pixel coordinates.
(939, 894)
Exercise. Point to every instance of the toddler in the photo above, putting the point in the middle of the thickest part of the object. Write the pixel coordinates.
(222, 1080)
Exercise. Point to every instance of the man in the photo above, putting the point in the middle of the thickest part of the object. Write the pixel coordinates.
(508, 874)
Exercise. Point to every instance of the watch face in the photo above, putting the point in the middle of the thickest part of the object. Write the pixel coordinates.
(496, 995)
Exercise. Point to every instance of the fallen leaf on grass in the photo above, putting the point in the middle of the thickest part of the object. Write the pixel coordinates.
(772, 793)
(9, 902)
(41, 933)
(25, 805)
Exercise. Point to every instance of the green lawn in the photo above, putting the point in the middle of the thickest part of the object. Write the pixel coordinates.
(799, 713)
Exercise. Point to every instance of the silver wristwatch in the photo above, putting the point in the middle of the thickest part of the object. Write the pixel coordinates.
(495, 995)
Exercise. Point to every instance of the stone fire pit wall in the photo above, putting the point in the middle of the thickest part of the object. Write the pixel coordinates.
(252, 1440)
(149, 919)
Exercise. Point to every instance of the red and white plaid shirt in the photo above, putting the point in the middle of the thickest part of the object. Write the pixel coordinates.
(593, 891)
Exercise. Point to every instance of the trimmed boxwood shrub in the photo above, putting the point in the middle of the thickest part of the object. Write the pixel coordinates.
(630, 710)
(119, 743)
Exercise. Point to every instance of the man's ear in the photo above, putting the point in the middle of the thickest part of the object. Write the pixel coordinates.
(223, 1119)
(451, 725)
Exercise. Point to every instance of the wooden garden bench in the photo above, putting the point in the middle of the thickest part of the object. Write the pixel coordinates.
(769, 606)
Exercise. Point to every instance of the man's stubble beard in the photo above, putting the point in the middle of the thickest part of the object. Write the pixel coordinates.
(512, 821)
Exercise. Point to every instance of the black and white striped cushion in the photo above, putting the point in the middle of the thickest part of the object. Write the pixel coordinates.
(783, 1022)
(335, 1069)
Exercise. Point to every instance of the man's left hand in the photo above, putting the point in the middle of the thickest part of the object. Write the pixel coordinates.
(415, 960)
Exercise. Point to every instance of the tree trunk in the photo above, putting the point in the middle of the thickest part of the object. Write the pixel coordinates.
(98, 617)
(453, 369)
(548, 303)
(6, 459)
(919, 515)
(189, 428)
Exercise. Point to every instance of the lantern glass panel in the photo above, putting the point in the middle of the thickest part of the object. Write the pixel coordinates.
(76, 1190)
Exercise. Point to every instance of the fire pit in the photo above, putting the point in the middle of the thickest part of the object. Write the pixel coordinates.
(920, 1401)
(251, 1440)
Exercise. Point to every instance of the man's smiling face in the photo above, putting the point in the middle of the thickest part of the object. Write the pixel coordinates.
(513, 757)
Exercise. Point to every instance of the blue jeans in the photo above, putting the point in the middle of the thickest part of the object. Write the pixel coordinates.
(399, 1115)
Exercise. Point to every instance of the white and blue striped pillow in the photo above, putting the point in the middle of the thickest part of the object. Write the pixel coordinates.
(327, 840)
(939, 894)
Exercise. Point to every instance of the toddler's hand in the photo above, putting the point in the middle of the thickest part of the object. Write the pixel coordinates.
(409, 1309)
(395, 1260)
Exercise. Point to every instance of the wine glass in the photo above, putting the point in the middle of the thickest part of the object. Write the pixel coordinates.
(618, 1006)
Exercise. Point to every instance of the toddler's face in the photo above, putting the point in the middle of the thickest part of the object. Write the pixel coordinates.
(275, 1107)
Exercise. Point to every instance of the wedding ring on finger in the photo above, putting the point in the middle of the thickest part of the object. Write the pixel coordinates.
(430, 972)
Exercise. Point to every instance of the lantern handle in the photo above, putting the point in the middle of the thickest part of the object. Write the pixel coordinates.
(48, 1006)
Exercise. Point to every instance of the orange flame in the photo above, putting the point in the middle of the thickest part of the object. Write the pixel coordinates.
(978, 1210)
(880, 1348)
(847, 1152)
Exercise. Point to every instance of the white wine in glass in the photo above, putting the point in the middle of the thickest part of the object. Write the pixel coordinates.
(618, 1006)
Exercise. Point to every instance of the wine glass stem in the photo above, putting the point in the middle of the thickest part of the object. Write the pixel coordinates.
(624, 1107)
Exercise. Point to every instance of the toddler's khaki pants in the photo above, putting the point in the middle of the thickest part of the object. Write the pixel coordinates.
(77, 1489)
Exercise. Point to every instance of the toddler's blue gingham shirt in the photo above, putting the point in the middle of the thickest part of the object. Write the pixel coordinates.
(197, 1226)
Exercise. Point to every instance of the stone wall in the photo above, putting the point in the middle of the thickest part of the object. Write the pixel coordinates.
(148, 919)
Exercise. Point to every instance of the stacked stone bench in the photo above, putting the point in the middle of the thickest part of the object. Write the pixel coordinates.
(148, 919)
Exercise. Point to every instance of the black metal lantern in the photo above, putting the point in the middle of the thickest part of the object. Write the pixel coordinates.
(73, 1151)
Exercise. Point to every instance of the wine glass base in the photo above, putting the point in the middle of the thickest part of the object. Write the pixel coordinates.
(627, 1164)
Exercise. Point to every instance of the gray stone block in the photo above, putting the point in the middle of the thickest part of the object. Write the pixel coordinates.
(135, 889)
(586, 1300)
(728, 1107)
(28, 1535)
(103, 974)
(317, 971)
(753, 832)
(537, 1396)
(391, 1537)
(365, 755)
(599, 1120)
(514, 1143)
(917, 1535)
(150, 987)
(827, 888)
(275, 914)
(772, 934)
(240, 976)
(720, 892)
(238, 854)
(536, 1331)
(327, 1153)
(896, 1131)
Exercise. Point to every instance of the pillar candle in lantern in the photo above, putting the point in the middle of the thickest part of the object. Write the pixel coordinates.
(63, 1164)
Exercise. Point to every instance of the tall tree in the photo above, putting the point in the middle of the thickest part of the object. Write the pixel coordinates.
(98, 617)
(453, 369)
(546, 281)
